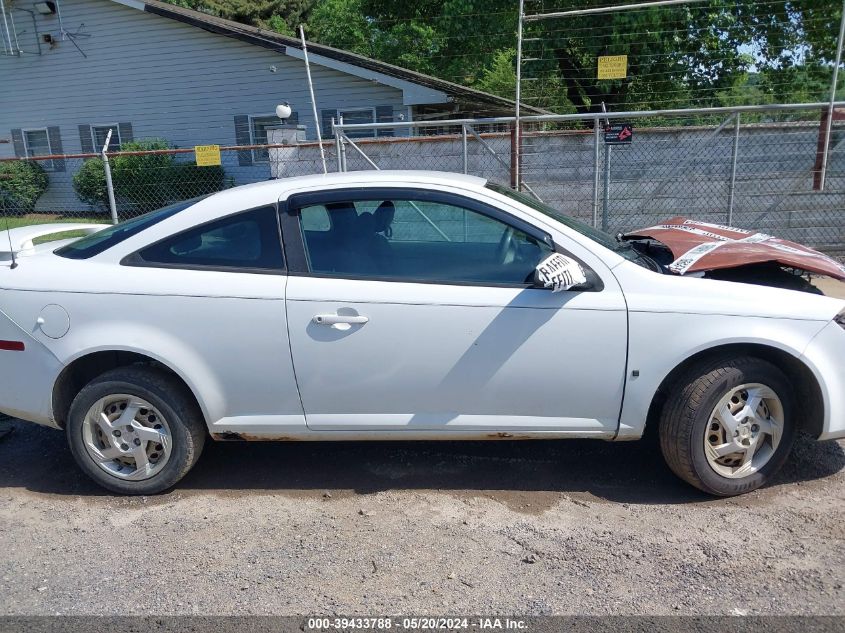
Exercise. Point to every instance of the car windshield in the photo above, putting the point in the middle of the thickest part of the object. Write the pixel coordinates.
(98, 242)
(605, 239)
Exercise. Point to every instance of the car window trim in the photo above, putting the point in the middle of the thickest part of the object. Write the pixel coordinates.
(134, 259)
(294, 238)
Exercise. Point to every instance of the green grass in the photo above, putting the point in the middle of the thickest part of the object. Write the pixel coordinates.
(49, 218)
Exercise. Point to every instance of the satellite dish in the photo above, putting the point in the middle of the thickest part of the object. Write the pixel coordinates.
(283, 110)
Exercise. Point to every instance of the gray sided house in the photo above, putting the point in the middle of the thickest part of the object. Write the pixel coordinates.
(74, 69)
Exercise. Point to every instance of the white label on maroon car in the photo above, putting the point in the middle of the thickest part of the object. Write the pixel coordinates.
(560, 272)
(685, 261)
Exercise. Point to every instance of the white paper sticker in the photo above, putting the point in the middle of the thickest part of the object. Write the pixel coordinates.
(560, 272)
(724, 227)
(685, 261)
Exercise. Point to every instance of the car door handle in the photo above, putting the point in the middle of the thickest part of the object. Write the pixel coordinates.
(335, 319)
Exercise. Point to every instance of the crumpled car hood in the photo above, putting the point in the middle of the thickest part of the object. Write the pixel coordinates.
(700, 246)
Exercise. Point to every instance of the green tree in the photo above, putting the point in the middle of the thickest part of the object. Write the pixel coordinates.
(717, 53)
(342, 24)
(694, 55)
(277, 15)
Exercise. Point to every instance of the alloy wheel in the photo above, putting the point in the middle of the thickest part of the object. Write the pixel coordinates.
(744, 430)
(127, 437)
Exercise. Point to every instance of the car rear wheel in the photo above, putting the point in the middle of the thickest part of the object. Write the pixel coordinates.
(135, 430)
(727, 426)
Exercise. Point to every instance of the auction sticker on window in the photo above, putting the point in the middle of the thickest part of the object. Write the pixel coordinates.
(560, 272)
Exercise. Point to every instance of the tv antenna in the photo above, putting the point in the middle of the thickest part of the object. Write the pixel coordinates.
(8, 230)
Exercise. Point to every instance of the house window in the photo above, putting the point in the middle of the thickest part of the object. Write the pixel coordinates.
(99, 134)
(37, 143)
(258, 135)
(357, 115)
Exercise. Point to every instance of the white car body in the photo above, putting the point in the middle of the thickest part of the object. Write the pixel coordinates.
(433, 361)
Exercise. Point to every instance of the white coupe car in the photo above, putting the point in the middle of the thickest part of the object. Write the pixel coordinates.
(400, 305)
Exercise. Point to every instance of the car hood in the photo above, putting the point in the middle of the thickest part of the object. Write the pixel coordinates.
(701, 246)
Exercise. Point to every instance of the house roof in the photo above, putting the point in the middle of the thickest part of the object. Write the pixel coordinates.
(292, 46)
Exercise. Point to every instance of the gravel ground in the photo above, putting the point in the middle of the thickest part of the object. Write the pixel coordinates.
(571, 527)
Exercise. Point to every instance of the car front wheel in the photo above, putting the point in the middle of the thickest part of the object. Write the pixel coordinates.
(727, 426)
(135, 430)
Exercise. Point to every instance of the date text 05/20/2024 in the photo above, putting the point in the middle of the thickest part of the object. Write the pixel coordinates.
(416, 624)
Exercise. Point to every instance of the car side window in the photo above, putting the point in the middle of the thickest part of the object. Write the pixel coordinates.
(248, 240)
(415, 240)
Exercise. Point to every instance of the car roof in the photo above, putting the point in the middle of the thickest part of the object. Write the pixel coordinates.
(271, 190)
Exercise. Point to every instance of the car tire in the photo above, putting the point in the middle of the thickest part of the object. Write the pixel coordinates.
(697, 438)
(135, 430)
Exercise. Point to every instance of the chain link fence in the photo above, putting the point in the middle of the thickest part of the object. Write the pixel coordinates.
(74, 188)
(756, 168)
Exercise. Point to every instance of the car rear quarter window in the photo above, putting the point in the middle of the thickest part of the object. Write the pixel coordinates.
(100, 241)
(247, 241)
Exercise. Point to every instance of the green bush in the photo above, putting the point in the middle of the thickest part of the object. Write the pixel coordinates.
(90, 183)
(191, 180)
(146, 181)
(21, 184)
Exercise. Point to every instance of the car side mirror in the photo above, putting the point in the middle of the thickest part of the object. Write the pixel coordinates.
(557, 272)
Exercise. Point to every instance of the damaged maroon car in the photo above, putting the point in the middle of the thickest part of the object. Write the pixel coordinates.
(689, 247)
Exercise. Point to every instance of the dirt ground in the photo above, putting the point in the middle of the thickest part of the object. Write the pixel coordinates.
(526, 528)
(831, 287)
(500, 527)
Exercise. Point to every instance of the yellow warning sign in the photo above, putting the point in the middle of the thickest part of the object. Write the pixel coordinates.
(207, 155)
(613, 66)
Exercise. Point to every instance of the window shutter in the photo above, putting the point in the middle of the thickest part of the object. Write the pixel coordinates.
(17, 141)
(243, 137)
(55, 136)
(125, 131)
(326, 117)
(384, 114)
(85, 140)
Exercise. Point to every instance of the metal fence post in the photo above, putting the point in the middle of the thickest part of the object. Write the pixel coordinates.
(313, 101)
(341, 145)
(833, 82)
(596, 159)
(337, 145)
(109, 185)
(517, 139)
(606, 200)
(734, 155)
(464, 147)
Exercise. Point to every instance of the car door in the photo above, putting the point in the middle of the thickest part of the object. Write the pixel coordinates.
(411, 310)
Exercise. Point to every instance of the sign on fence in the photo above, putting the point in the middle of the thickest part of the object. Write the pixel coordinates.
(613, 66)
(207, 155)
(619, 134)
